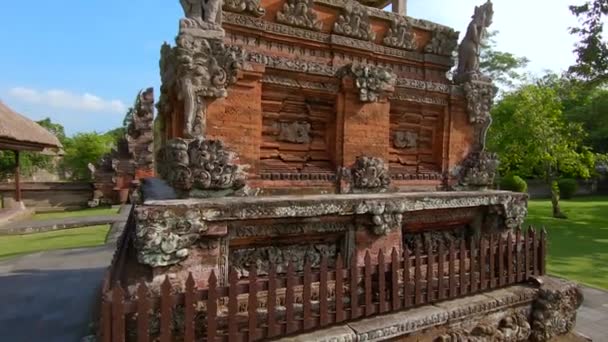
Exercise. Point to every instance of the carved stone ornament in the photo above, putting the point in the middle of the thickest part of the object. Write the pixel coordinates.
(354, 22)
(140, 129)
(371, 81)
(299, 13)
(469, 50)
(370, 174)
(202, 14)
(250, 7)
(386, 216)
(163, 238)
(401, 35)
(294, 132)
(479, 96)
(443, 42)
(405, 139)
(479, 170)
(203, 165)
(513, 328)
(554, 311)
(198, 68)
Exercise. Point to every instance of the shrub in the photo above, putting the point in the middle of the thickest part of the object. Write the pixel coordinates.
(513, 183)
(567, 187)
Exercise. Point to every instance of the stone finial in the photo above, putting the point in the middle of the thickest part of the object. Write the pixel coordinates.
(443, 42)
(401, 35)
(370, 173)
(371, 81)
(250, 7)
(469, 50)
(299, 13)
(354, 22)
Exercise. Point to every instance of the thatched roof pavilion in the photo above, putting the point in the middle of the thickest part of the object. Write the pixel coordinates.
(18, 133)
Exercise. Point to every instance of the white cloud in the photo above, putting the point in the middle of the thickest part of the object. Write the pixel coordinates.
(63, 99)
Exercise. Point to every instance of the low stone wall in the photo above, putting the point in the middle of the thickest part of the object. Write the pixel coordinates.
(45, 196)
(540, 189)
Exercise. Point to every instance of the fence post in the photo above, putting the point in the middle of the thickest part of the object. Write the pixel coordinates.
(395, 304)
(406, 277)
(381, 282)
(452, 269)
(501, 261)
(463, 271)
(519, 249)
(369, 310)
(143, 320)
(306, 296)
(233, 279)
(354, 296)
(535, 252)
(189, 303)
(339, 289)
(491, 252)
(289, 299)
(165, 311)
(543, 251)
(527, 254)
(106, 321)
(430, 260)
(482, 264)
(473, 283)
(252, 304)
(417, 276)
(323, 307)
(510, 275)
(271, 302)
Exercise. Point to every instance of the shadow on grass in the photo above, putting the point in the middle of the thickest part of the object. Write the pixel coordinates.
(578, 246)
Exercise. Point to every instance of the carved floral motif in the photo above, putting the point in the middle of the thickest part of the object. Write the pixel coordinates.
(406, 139)
(443, 42)
(372, 81)
(513, 328)
(479, 96)
(200, 165)
(163, 238)
(294, 132)
(401, 35)
(370, 173)
(299, 13)
(250, 7)
(386, 216)
(479, 170)
(354, 22)
(554, 311)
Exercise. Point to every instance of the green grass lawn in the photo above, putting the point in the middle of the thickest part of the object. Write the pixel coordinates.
(75, 213)
(578, 246)
(15, 245)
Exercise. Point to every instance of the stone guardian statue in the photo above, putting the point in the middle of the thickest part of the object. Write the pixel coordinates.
(470, 47)
(206, 14)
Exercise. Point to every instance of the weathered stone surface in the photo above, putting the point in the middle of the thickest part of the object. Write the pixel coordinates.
(202, 14)
(443, 42)
(370, 174)
(470, 47)
(249, 7)
(299, 13)
(335, 334)
(400, 35)
(294, 132)
(405, 139)
(372, 82)
(354, 22)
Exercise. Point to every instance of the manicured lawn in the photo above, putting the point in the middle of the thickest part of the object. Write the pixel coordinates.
(578, 246)
(75, 213)
(15, 245)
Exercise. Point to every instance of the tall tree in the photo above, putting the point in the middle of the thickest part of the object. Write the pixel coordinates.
(505, 68)
(591, 50)
(533, 138)
(85, 148)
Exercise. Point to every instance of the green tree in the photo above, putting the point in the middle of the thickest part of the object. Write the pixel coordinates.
(533, 138)
(85, 148)
(504, 68)
(591, 50)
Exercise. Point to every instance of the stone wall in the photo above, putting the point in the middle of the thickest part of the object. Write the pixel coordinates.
(49, 195)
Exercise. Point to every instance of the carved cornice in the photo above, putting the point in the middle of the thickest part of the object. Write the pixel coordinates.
(282, 229)
(290, 82)
(406, 96)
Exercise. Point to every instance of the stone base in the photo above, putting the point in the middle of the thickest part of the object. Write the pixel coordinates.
(516, 313)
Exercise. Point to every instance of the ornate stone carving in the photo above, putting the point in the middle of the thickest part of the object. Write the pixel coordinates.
(479, 170)
(264, 257)
(469, 50)
(433, 239)
(250, 7)
(405, 139)
(294, 132)
(300, 84)
(163, 238)
(513, 328)
(408, 96)
(401, 35)
(479, 96)
(203, 14)
(197, 68)
(139, 129)
(354, 22)
(371, 81)
(201, 165)
(554, 311)
(386, 216)
(443, 42)
(370, 173)
(299, 13)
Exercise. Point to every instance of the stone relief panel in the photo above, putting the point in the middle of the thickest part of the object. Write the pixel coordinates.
(400, 35)
(373, 82)
(248, 7)
(299, 13)
(443, 42)
(371, 174)
(294, 132)
(512, 328)
(354, 22)
(554, 311)
(405, 139)
(434, 239)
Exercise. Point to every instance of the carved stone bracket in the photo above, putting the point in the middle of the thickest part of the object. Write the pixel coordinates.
(201, 167)
(299, 13)
(372, 82)
(354, 22)
(443, 42)
(386, 216)
(478, 170)
(249, 7)
(400, 35)
(163, 238)
(370, 174)
(513, 328)
(554, 311)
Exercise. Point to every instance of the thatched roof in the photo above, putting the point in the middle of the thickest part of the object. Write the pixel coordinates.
(20, 133)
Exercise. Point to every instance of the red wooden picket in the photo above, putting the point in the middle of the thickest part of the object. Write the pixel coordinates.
(212, 308)
(166, 314)
(339, 289)
(527, 254)
(323, 306)
(501, 261)
(143, 319)
(430, 260)
(395, 302)
(271, 306)
(381, 282)
(534, 251)
(519, 250)
(452, 269)
(307, 296)
(406, 278)
(354, 296)
(289, 300)
(252, 304)
(369, 310)
(189, 303)
(106, 321)
(463, 271)
(543, 251)
(492, 260)
(418, 276)
(510, 274)
(233, 279)
(482, 263)
(118, 314)
(472, 280)
(440, 282)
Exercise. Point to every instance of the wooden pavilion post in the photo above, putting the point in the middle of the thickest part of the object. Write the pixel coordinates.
(17, 178)
(400, 6)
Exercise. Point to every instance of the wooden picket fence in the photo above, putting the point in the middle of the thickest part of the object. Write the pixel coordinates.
(264, 307)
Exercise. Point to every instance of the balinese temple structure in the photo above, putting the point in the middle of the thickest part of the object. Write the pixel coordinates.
(321, 178)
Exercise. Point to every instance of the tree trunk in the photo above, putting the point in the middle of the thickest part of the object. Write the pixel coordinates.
(557, 212)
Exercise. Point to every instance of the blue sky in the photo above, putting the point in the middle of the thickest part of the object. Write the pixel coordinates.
(81, 62)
